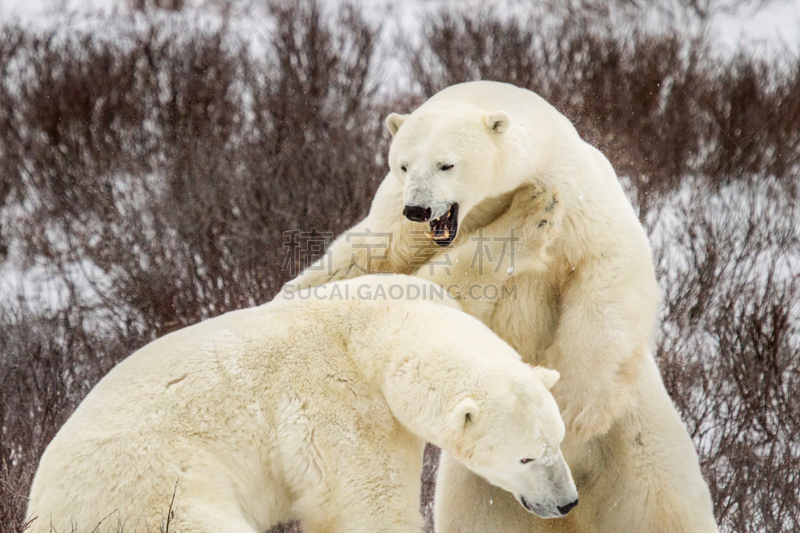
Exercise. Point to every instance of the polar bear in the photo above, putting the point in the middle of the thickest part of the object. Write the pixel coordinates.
(314, 407)
(491, 188)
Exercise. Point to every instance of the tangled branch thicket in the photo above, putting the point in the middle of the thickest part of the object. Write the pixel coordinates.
(153, 176)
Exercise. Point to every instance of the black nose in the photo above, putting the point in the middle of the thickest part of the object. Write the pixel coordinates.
(417, 213)
(564, 509)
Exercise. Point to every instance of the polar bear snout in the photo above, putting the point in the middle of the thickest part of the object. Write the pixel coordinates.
(540, 510)
(548, 490)
(416, 213)
(443, 227)
(548, 510)
(564, 509)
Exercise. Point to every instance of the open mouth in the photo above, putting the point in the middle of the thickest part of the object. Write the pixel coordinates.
(444, 228)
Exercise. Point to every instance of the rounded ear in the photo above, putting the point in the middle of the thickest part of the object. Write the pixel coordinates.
(546, 376)
(394, 121)
(465, 413)
(498, 121)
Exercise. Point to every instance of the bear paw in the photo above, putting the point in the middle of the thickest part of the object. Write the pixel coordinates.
(587, 422)
(536, 214)
(589, 413)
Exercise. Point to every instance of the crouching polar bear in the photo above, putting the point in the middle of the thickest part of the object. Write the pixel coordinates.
(315, 409)
(491, 192)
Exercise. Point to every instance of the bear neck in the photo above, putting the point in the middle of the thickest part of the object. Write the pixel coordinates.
(421, 373)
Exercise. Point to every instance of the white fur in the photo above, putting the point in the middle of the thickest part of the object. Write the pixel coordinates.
(313, 407)
(586, 300)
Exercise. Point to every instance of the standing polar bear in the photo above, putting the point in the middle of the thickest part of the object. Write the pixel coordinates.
(315, 409)
(491, 188)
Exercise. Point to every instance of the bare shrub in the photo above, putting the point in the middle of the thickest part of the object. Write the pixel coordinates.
(429, 466)
(147, 5)
(729, 267)
(158, 174)
(175, 165)
(49, 361)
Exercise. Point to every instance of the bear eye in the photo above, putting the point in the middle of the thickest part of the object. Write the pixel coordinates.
(403, 168)
(526, 460)
(445, 167)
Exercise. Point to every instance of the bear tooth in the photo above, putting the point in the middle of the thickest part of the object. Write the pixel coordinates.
(429, 234)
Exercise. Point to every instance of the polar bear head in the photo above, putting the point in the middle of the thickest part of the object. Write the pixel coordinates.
(449, 158)
(512, 438)
(456, 384)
